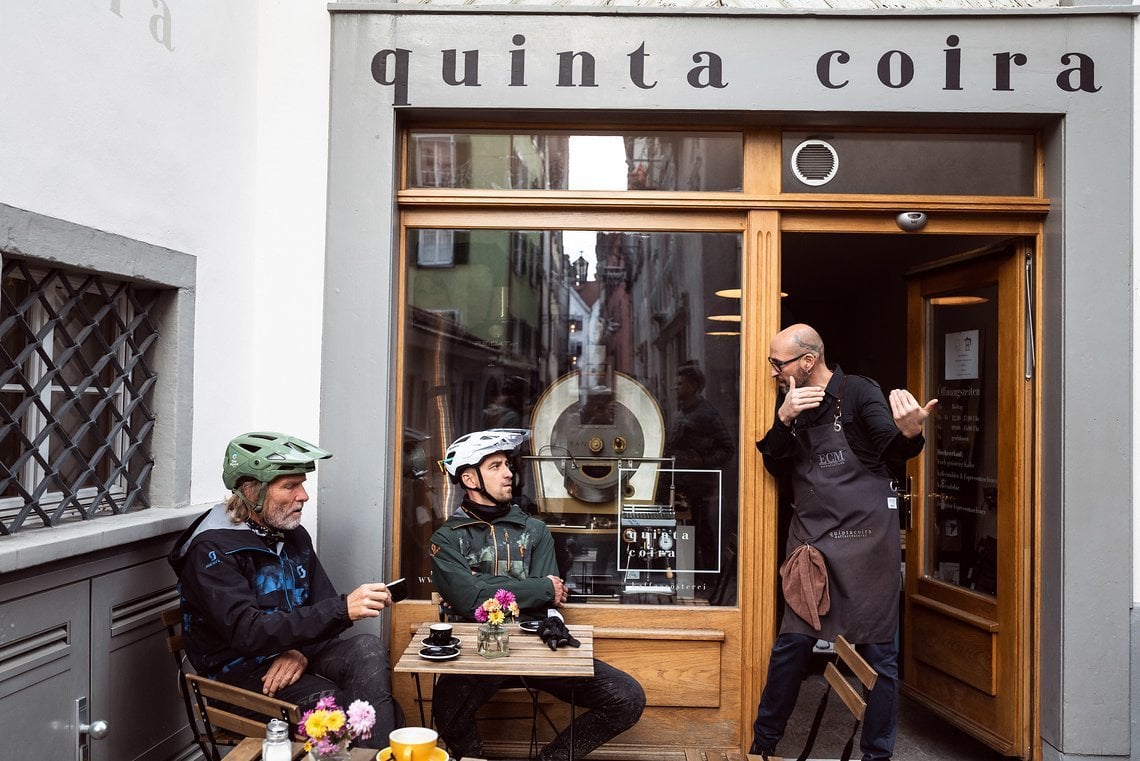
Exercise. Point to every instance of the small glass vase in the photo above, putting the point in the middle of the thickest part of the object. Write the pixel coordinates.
(340, 753)
(493, 641)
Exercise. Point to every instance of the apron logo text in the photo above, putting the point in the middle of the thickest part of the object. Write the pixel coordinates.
(831, 459)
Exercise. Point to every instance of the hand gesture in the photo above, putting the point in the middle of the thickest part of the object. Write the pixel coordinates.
(367, 600)
(285, 669)
(908, 413)
(797, 400)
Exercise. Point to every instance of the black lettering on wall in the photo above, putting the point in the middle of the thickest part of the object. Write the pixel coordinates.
(905, 68)
(1085, 71)
(518, 62)
(953, 64)
(712, 71)
(394, 74)
(566, 69)
(637, 68)
(823, 68)
(1002, 63)
(470, 68)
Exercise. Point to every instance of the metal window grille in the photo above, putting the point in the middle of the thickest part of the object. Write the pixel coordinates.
(75, 395)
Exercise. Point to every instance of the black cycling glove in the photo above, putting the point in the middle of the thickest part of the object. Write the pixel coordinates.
(554, 633)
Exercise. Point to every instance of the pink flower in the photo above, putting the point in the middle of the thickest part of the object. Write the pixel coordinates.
(361, 717)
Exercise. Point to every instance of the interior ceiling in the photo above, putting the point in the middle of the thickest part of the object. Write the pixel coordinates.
(834, 265)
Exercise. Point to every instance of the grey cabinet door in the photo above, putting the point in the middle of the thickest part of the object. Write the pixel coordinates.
(44, 667)
(134, 682)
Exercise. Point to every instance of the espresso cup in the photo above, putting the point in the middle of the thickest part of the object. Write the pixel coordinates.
(413, 743)
(440, 634)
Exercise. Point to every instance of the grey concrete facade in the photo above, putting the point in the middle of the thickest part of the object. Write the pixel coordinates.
(386, 62)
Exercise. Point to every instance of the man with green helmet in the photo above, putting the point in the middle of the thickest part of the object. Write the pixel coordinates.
(258, 609)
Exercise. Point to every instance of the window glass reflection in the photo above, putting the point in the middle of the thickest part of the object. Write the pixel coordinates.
(679, 161)
(620, 351)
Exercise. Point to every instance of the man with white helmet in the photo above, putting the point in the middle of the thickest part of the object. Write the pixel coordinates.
(258, 609)
(488, 544)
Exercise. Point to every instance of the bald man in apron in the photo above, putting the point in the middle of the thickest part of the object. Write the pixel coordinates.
(833, 434)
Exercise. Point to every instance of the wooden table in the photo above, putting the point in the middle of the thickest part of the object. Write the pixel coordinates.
(249, 749)
(529, 657)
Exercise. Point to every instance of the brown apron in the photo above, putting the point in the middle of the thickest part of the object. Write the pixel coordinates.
(846, 512)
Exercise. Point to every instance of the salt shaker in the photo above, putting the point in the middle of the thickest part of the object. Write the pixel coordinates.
(276, 746)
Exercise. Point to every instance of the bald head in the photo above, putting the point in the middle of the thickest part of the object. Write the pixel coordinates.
(796, 353)
(799, 338)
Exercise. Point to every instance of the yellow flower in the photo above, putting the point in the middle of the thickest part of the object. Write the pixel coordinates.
(496, 617)
(321, 723)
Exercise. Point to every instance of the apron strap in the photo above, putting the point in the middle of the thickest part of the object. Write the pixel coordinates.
(839, 404)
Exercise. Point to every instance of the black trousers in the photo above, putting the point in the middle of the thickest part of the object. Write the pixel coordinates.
(355, 668)
(613, 698)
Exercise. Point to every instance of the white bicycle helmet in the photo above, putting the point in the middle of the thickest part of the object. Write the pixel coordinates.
(471, 449)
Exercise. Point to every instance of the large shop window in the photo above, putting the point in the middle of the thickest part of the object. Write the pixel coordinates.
(620, 351)
(76, 383)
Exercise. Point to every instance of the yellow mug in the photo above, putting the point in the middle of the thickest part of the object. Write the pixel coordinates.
(413, 743)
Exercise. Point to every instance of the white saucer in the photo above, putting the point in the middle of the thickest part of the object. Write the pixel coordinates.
(440, 654)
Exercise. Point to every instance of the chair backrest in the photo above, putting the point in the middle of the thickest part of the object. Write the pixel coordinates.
(862, 671)
(172, 620)
(242, 712)
(851, 697)
(210, 705)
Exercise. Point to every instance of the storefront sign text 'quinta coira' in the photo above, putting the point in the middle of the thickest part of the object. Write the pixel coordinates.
(833, 69)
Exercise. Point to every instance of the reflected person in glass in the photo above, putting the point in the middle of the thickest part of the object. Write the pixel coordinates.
(698, 440)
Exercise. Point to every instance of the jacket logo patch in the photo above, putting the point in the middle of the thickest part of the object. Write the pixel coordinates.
(213, 559)
(434, 549)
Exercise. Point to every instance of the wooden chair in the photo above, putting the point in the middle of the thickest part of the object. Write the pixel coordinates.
(228, 711)
(210, 705)
(852, 698)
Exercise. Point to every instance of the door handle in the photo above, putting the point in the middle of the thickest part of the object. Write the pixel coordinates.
(86, 730)
(906, 497)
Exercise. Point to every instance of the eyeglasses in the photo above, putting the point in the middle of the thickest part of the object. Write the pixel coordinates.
(779, 364)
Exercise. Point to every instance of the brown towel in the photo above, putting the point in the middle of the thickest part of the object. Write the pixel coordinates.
(804, 576)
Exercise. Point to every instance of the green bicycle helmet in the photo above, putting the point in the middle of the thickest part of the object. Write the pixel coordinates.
(264, 455)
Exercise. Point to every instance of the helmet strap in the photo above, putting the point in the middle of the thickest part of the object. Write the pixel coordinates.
(483, 488)
(260, 505)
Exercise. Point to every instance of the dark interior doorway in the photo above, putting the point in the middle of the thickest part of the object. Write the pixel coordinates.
(853, 289)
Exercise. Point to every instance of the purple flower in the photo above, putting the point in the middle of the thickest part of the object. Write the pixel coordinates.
(481, 615)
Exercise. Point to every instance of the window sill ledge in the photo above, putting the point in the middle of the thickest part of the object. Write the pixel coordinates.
(34, 547)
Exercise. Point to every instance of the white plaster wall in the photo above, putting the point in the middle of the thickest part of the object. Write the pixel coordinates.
(292, 157)
(199, 126)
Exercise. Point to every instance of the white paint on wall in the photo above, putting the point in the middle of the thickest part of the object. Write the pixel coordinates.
(292, 157)
(199, 126)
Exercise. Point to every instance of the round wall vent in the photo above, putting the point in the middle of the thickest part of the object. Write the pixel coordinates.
(815, 162)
